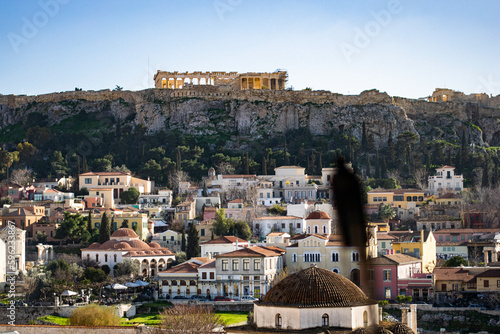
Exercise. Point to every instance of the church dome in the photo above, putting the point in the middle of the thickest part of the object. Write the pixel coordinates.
(124, 232)
(318, 215)
(316, 287)
(154, 245)
(95, 245)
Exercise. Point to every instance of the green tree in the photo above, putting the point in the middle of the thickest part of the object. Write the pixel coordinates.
(73, 227)
(220, 227)
(101, 165)
(130, 196)
(205, 190)
(59, 165)
(386, 212)
(242, 230)
(391, 183)
(455, 261)
(128, 268)
(183, 241)
(89, 221)
(193, 242)
(276, 210)
(125, 224)
(95, 275)
(105, 229)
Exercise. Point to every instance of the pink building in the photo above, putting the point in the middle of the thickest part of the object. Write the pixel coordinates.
(461, 234)
(396, 274)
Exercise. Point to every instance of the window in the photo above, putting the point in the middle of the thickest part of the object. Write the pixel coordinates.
(443, 287)
(97, 225)
(355, 257)
(256, 265)
(202, 232)
(294, 257)
(408, 198)
(164, 238)
(374, 199)
(115, 258)
(225, 264)
(204, 275)
(97, 258)
(298, 225)
(325, 320)
(420, 198)
(486, 283)
(278, 320)
(440, 238)
(414, 198)
(371, 274)
(235, 265)
(462, 237)
(246, 265)
(335, 256)
(324, 229)
(387, 292)
(383, 244)
(365, 318)
(105, 257)
(88, 180)
(336, 270)
(385, 199)
(212, 275)
(387, 275)
(447, 238)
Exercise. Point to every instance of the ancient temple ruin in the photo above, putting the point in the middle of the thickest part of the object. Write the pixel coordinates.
(238, 81)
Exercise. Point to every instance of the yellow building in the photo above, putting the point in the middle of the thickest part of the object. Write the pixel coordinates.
(449, 199)
(136, 221)
(399, 198)
(185, 211)
(421, 245)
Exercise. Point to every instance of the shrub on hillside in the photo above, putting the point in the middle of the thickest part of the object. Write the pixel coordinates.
(94, 315)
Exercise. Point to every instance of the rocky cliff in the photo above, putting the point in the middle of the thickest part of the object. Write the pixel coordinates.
(205, 111)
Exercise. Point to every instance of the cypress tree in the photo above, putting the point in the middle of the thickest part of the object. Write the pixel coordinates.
(104, 229)
(264, 166)
(112, 225)
(178, 160)
(205, 190)
(320, 163)
(193, 242)
(85, 167)
(368, 166)
(364, 138)
(183, 240)
(89, 222)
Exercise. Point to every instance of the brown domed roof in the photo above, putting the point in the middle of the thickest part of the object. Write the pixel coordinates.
(124, 232)
(138, 244)
(95, 245)
(318, 215)
(316, 287)
(400, 328)
(154, 245)
(122, 245)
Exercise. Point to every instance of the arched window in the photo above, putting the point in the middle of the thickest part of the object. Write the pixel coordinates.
(97, 258)
(308, 229)
(294, 257)
(115, 257)
(365, 318)
(355, 256)
(335, 256)
(324, 229)
(278, 320)
(325, 320)
(105, 257)
(336, 270)
(318, 257)
(316, 229)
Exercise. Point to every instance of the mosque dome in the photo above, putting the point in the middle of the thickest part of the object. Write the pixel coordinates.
(316, 287)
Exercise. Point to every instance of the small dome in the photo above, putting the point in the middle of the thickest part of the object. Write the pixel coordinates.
(138, 244)
(400, 328)
(124, 232)
(95, 245)
(316, 287)
(122, 245)
(318, 215)
(154, 245)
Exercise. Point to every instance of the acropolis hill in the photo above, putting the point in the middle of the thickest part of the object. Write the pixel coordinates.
(256, 105)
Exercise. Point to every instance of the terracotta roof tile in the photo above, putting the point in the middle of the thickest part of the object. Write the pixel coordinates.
(184, 268)
(255, 251)
(318, 215)
(225, 240)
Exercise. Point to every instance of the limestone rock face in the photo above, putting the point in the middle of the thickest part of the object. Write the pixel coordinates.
(262, 114)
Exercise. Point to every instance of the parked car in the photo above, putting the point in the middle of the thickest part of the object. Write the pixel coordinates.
(223, 299)
(248, 298)
(180, 297)
(199, 297)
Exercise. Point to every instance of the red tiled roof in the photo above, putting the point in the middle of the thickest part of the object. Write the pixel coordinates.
(384, 236)
(183, 268)
(452, 274)
(255, 251)
(490, 273)
(225, 240)
(238, 200)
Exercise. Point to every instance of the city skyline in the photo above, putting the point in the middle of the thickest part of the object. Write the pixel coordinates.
(405, 49)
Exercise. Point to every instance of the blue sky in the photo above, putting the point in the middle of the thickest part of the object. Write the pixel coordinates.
(406, 48)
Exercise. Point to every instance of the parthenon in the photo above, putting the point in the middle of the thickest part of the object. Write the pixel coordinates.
(239, 81)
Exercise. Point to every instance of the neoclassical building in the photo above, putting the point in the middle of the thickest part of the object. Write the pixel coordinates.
(315, 297)
(124, 244)
(17, 248)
